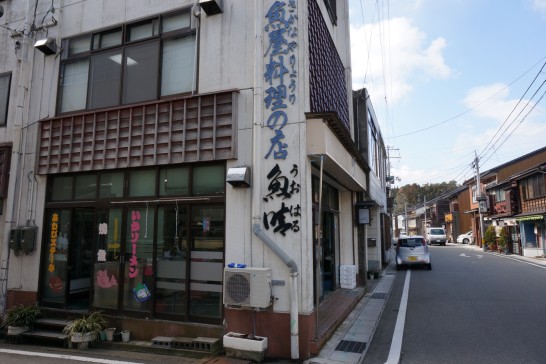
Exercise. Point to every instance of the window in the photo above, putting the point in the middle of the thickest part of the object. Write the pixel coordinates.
(111, 185)
(332, 10)
(85, 187)
(5, 81)
(208, 180)
(106, 39)
(174, 181)
(142, 183)
(500, 195)
(195, 180)
(102, 69)
(534, 187)
(372, 144)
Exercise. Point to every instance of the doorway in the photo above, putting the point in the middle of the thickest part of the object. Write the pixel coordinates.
(329, 246)
(68, 262)
(80, 259)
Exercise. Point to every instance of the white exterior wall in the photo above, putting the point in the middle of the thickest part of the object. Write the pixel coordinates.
(377, 193)
(236, 55)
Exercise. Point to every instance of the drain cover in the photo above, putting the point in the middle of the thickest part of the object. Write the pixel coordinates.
(351, 346)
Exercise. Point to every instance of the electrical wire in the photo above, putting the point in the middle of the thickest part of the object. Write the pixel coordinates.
(470, 109)
(511, 112)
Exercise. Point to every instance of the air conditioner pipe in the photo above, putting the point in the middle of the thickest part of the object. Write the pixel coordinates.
(294, 320)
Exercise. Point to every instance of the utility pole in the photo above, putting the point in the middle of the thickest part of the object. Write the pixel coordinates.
(406, 218)
(480, 198)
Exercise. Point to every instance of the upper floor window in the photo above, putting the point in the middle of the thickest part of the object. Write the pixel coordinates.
(533, 187)
(5, 81)
(373, 157)
(500, 195)
(131, 63)
(332, 10)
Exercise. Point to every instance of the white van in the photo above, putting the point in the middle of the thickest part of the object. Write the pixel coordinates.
(436, 235)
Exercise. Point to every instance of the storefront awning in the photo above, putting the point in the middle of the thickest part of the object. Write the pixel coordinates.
(530, 218)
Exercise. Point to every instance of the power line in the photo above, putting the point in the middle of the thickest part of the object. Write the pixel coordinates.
(511, 112)
(470, 109)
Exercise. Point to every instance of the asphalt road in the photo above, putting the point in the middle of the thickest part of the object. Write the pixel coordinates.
(470, 308)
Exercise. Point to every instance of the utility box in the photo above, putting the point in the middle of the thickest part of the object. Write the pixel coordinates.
(28, 239)
(15, 240)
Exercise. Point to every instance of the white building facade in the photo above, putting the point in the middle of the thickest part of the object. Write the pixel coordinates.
(151, 143)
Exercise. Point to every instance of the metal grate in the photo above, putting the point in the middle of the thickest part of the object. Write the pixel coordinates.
(379, 296)
(351, 346)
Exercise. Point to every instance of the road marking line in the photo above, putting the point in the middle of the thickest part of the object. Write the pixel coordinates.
(396, 344)
(63, 356)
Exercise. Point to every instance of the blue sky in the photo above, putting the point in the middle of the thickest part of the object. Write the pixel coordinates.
(452, 78)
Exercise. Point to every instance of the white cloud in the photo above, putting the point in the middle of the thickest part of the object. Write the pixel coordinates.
(400, 55)
(539, 5)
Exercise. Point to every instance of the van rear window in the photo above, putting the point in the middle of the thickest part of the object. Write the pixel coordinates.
(411, 242)
(437, 231)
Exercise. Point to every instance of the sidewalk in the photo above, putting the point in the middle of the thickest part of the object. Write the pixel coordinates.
(351, 340)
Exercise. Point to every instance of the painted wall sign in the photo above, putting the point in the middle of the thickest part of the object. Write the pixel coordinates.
(135, 233)
(53, 241)
(280, 72)
(280, 76)
(282, 187)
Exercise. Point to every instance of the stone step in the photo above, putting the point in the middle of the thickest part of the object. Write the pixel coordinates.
(42, 334)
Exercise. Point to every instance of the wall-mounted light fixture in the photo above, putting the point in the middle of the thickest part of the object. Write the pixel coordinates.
(211, 7)
(238, 176)
(47, 46)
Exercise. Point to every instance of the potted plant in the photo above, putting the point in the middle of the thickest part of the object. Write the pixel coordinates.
(19, 319)
(245, 346)
(85, 329)
(490, 238)
(504, 239)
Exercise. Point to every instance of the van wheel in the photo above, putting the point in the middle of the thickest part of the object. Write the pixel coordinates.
(429, 266)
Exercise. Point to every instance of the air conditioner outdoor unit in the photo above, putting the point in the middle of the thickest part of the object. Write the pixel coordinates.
(247, 287)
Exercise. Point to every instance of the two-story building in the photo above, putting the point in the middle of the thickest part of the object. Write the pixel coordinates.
(150, 144)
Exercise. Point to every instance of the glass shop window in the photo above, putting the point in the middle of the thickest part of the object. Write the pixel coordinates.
(208, 180)
(142, 183)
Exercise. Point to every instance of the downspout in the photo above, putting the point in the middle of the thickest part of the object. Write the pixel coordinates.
(319, 245)
(197, 14)
(294, 321)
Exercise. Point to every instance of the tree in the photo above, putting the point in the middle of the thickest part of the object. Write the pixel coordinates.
(504, 239)
(413, 194)
(490, 237)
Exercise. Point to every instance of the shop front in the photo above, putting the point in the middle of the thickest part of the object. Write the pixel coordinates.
(532, 230)
(143, 242)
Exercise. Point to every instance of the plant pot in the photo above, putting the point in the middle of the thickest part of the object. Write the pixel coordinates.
(82, 337)
(243, 346)
(244, 342)
(16, 330)
(125, 335)
(110, 333)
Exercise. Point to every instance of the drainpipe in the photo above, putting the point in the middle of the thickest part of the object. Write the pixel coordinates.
(294, 322)
(319, 245)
